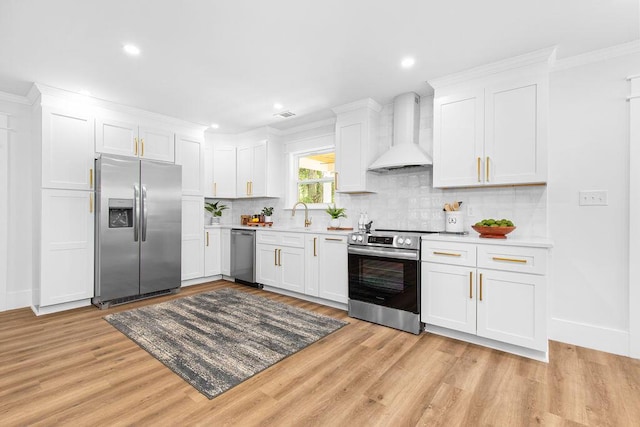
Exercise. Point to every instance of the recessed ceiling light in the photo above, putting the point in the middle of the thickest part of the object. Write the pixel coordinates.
(408, 62)
(131, 49)
(85, 92)
(214, 126)
(277, 106)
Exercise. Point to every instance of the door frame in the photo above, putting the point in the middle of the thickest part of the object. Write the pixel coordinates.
(4, 203)
(634, 212)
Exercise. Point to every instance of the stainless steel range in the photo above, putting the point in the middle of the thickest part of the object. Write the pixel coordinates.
(384, 278)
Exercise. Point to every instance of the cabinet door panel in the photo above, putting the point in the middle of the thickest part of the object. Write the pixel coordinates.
(512, 132)
(67, 149)
(311, 264)
(157, 144)
(291, 264)
(190, 155)
(259, 175)
(209, 184)
(212, 255)
(192, 237)
(350, 135)
(67, 263)
(224, 172)
(244, 171)
(458, 140)
(267, 270)
(333, 269)
(448, 296)
(512, 308)
(114, 137)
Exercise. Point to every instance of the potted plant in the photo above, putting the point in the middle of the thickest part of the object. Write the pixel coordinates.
(335, 213)
(215, 209)
(267, 212)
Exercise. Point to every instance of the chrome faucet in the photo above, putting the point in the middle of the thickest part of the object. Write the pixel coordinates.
(307, 221)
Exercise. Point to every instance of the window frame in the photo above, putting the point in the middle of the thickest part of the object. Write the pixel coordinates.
(293, 176)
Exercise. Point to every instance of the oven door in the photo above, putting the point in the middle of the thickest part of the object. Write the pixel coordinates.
(385, 276)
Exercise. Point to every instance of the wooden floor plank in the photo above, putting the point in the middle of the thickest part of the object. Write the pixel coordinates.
(73, 368)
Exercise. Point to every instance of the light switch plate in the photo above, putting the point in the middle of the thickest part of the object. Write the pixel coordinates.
(593, 198)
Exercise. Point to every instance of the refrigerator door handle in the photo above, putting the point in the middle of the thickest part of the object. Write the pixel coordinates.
(136, 212)
(143, 207)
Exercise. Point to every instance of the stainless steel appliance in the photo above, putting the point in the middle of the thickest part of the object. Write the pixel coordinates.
(384, 278)
(138, 229)
(243, 256)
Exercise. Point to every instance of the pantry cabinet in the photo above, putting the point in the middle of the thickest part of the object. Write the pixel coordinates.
(212, 252)
(491, 130)
(492, 291)
(190, 154)
(280, 260)
(192, 237)
(356, 145)
(326, 267)
(133, 140)
(67, 148)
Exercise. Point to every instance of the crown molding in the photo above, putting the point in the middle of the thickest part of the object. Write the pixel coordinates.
(597, 55)
(17, 99)
(309, 126)
(49, 94)
(363, 103)
(539, 57)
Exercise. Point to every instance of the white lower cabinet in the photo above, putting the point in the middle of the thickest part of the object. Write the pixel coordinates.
(67, 259)
(499, 303)
(332, 268)
(280, 260)
(225, 245)
(192, 237)
(212, 253)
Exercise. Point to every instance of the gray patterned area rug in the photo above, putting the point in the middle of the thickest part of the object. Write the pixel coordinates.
(216, 340)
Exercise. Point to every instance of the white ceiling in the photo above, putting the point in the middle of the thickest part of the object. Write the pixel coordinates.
(229, 61)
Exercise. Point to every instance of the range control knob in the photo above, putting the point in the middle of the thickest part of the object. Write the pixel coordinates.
(407, 241)
(400, 240)
(360, 239)
(354, 238)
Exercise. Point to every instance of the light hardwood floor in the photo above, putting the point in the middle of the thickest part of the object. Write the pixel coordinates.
(73, 368)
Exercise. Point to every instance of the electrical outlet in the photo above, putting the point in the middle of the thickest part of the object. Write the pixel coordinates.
(593, 198)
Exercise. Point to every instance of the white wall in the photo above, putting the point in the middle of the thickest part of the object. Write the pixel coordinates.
(18, 203)
(588, 150)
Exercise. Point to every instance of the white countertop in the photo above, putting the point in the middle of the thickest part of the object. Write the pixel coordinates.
(537, 242)
(281, 228)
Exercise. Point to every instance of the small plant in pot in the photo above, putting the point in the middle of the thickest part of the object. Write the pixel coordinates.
(267, 212)
(335, 213)
(215, 209)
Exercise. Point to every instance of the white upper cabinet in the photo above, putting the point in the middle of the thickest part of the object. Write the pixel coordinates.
(190, 154)
(224, 172)
(209, 185)
(356, 144)
(67, 149)
(490, 126)
(244, 171)
(259, 168)
(129, 139)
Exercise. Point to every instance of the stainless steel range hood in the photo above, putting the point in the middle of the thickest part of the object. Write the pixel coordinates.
(405, 151)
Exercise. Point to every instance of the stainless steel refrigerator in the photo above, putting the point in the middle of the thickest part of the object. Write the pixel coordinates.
(138, 229)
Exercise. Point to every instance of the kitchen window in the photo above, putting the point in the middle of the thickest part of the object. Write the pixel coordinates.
(314, 177)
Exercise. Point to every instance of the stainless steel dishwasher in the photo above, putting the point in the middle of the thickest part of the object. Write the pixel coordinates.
(243, 256)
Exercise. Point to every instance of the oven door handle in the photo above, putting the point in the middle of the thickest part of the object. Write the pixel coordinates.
(384, 253)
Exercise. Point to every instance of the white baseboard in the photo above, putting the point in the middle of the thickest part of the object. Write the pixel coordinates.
(200, 280)
(614, 341)
(321, 301)
(39, 311)
(18, 299)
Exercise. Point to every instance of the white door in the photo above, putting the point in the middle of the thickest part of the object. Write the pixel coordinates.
(157, 144)
(258, 184)
(190, 154)
(67, 149)
(311, 264)
(511, 308)
(244, 171)
(267, 269)
(448, 296)
(209, 184)
(291, 264)
(192, 237)
(224, 172)
(515, 137)
(350, 135)
(333, 269)
(67, 246)
(212, 253)
(114, 137)
(458, 140)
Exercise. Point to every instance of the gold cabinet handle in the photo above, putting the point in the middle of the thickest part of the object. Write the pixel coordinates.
(486, 167)
(91, 203)
(335, 180)
(207, 238)
(247, 189)
(91, 178)
(135, 140)
(332, 239)
(215, 188)
(446, 253)
(142, 147)
(275, 257)
(251, 188)
(480, 286)
(280, 257)
(315, 251)
(478, 167)
(497, 258)
(471, 285)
